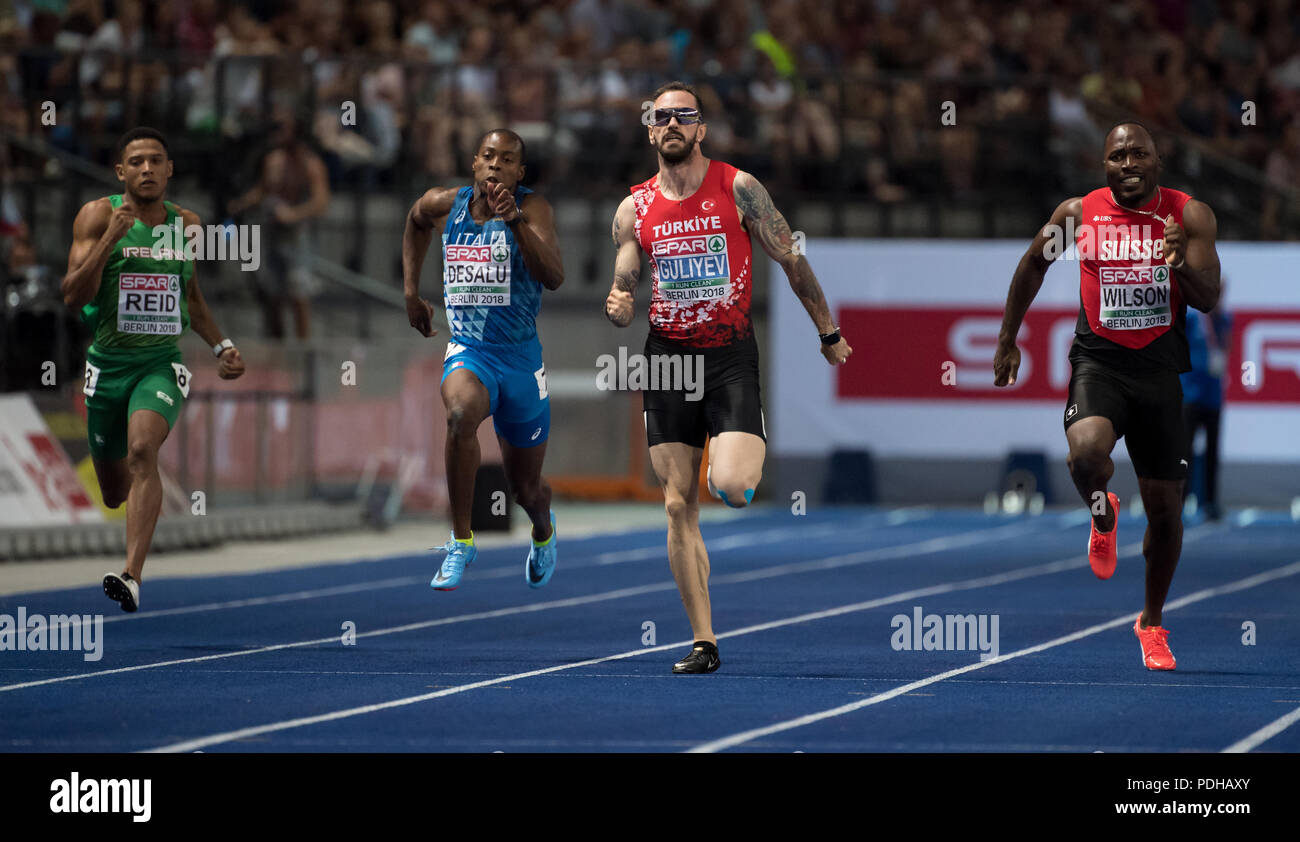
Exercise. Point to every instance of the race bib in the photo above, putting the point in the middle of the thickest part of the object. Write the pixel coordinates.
(540, 375)
(92, 379)
(149, 304)
(1134, 297)
(693, 269)
(476, 276)
(182, 379)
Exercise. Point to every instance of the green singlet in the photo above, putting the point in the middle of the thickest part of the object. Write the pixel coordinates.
(137, 318)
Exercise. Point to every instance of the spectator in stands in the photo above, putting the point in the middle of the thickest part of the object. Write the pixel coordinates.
(1281, 199)
(292, 188)
(528, 97)
(197, 29)
(1200, 112)
(431, 37)
(566, 70)
(772, 96)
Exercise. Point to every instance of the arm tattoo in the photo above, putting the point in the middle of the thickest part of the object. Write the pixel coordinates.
(625, 276)
(804, 283)
(626, 280)
(765, 220)
(774, 233)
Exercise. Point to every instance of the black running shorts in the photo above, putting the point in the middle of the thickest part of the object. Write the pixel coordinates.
(1145, 409)
(727, 399)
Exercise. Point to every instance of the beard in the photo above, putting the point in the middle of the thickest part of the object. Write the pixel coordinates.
(688, 146)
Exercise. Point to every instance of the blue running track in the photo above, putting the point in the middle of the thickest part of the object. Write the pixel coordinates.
(803, 607)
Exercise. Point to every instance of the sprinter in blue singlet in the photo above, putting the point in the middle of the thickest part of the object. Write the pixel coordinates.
(498, 249)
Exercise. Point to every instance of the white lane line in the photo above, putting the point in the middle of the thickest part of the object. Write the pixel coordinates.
(1074, 518)
(879, 554)
(729, 542)
(1264, 734)
(245, 733)
(968, 584)
(750, 539)
(1127, 619)
(490, 573)
(272, 599)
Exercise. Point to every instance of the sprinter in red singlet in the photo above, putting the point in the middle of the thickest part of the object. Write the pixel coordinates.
(694, 220)
(1145, 253)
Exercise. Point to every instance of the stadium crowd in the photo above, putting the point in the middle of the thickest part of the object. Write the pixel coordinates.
(838, 95)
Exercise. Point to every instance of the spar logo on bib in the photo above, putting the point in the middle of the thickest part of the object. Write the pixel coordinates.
(693, 268)
(1134, 297)
(477, 275)
(149, 304)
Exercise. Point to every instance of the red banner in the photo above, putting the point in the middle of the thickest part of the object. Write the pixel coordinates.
(932, 353)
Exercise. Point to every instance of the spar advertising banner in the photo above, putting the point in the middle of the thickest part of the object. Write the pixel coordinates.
(38, 485)
(915, 309)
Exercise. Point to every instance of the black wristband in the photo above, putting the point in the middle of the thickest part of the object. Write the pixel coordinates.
(831, 338)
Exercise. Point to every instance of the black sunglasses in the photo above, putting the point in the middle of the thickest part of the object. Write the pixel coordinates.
(685, 116)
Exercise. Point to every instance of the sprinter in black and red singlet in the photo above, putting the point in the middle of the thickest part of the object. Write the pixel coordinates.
(1145, 253)
(694, 220)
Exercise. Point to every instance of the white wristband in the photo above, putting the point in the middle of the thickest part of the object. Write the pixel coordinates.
(221, 346)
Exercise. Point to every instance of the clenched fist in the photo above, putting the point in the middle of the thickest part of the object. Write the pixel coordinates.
(120, 222)
(1006, 364)
(230, 365)
(502, 201)
(837, 353)
(420, 314)
(1175, 242)
(619, 307)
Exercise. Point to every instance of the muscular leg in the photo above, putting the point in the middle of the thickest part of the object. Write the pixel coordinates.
(1091, 441)
(467, 404)
(145, 432)
(678, 467)
(1163, 542)
(527, 487)
(736, 466)
(114, 481)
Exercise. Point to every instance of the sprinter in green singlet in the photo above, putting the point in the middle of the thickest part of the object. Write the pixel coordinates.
(138, 298)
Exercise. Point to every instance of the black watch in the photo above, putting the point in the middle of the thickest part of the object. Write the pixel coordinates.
(830, 338)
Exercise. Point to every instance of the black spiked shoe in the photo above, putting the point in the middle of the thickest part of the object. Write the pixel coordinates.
(703, 658)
